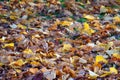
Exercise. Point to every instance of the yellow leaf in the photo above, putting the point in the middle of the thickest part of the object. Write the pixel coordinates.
(18, 70)
(113, 70)
(87, 29)
(35, 63)
(86, 26)
(13, 17)
(66, 23)
(66, 47)
(35, 36)
(89, 17)
(116, 19)
(106, 73)
(21, 26)
(1, 64)
(3, 20)
(19, 62)
(33, 70)
(8, 45)
(116, 55)
(100, 58)
(106, 46)
(27, 51)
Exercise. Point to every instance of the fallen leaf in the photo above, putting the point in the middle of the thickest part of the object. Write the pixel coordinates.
(100, 58)
(19, 62)
(13, 17)
(10, 45)
(116, 19)
(21, 26)
(113, 70)
(92, 74)
(66, 47)
(89, 17)
(66, 23)
(33, 70)
(106, 73)
(103, 9)
(35, 63)
(28, 51)
(87, 29)
(116, 55)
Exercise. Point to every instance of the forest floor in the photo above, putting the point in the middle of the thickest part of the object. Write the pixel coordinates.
(60, 40)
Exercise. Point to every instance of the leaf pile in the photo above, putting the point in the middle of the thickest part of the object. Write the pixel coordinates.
(59, 40)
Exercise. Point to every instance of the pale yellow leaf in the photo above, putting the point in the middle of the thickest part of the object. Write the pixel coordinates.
(116, 19)
(89, 17)
(92, 74)
(66, 47)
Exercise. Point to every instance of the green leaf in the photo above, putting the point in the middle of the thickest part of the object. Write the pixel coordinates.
(101, 15)
(4, 0)
(62, 1)
(60, 41)
(82, 20)
(82, 6)
(77, 0)
(76, 29)
(2, 16)
(115, 6)
(63, 5)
